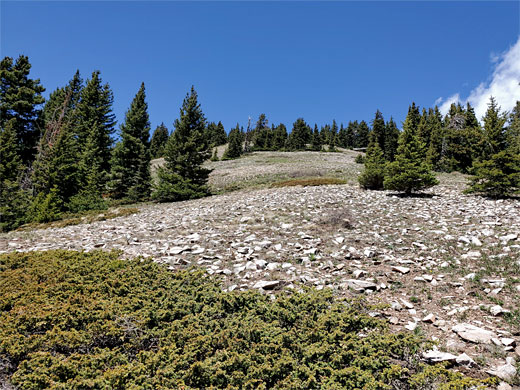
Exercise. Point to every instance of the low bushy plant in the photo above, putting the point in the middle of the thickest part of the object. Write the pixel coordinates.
(73, 320)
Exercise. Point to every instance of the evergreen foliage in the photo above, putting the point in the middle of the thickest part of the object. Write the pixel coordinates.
(316, 143)
(409, 172)
(361, 136)
(391, 140)
(183, 176)
(279, 137)
(300, 136)
(20, 100)
(95, 127)
(379, 130)
(234, 149)
(216, 134)
(130, 175)
(373, 175)
(498, 175)
(159, 139)
(262, 136)
(13, 200)
(73, 320)
(45, 207)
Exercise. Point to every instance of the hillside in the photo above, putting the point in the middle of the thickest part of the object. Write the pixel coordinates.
(446, 265)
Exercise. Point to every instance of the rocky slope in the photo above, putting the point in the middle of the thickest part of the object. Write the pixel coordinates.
(446, 264)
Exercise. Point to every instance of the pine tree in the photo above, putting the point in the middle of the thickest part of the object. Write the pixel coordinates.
(435, 148)
(55, 166)
(350, 138)
(95, 127)
(409, 172)
(54, 105)
(20, 99)
(379, 129)
(159, 139)
(498, 175)
(391, 140)
(216, 134)
(279, 137)
(183, 176)
(234, 149)
(130, 175)
(361, 137)
(373, 175)
(261, 134)
(299, 136)
(494, 129)
(316, 143)
(13, 201)
(513, 130)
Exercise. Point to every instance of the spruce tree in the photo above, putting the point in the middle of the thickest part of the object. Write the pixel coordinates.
(96, 120)
(513, 130)
(234, 149)
(21, 100)
(56, 164)
(379, 129)
(13, 200)
(130, 175)
(261, 134)
(299, 136)
(158, 142)
(351, 134)
(279, 137)
(494, 129)
(95, 127)
(436, 146)
(373, 175)
(409, 172)
(498, 175)
(183, 176)
(391, 140)
(361, 137)
(316, 143)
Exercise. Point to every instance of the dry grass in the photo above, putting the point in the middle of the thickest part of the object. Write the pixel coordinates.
(84, 217)
(316, 181)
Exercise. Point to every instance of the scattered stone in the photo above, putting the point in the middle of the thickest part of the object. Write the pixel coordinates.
(360, 285)
(436, 356)
(403, 270)
(473, 333)
(464, 360)
(430, 318)
(267, 284)
(506, 372)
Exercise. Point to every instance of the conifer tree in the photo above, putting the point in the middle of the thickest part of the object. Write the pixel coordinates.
(21, 99)
(498, 175)
(54, 105)
(363, 131)
(234, 149)
(513, 130)
(494, 129)
(435, 147)
(409, 172)
(351, 134)
(316, 143)
(379, 129)
(391, 140)
(332, 136)
(299, 136)
(159, 139)
(373, 175)
(130, 175)
(216, 133)
(183, 176)
(279, 137)
(261, 134)
(56, 164)
(13, 200)
(95, 127)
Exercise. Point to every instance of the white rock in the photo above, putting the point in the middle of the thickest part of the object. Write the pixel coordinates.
(360, 285)
(411, 326)
(506, 372)
(403, 270)
(436, 356)
(267, 284)
(497, 310)
(429, 318)
(508, 342)
(359, 273)
(464, 360)
(473, 333)
(407, 304)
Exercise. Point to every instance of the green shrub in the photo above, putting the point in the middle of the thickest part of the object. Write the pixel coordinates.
(74, 320)
(86, 201)
(45, 207)
(360, 159)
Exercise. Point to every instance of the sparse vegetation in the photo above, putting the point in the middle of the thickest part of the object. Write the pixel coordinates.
(319, 181)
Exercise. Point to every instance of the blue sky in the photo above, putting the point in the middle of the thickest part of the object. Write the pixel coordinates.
(317, 60)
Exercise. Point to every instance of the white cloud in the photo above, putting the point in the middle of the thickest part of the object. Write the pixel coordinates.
(504, 85)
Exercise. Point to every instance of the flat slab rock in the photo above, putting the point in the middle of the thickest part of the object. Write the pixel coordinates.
(474, 334)
(267, 284)
(360, 285)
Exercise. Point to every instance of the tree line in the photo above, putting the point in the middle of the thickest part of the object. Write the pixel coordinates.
(59, 155)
